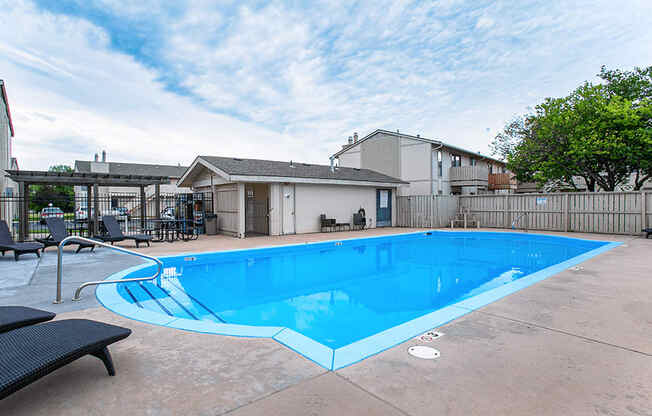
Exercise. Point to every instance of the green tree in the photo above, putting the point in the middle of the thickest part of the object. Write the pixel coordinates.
(601, 133)
(61, 196)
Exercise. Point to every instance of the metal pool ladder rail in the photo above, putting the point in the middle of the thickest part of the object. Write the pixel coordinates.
(99, 282)
(518, 218)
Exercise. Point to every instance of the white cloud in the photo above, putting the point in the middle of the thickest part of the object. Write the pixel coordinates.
(289, 83)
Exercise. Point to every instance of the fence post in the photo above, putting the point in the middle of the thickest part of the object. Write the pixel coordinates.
(566, 213)
(643, 210)
(23, 210)
(142, 208)
(432, 211)
(96, 209)
(506, 212)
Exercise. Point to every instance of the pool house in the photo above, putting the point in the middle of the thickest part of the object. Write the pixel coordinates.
(266, 197)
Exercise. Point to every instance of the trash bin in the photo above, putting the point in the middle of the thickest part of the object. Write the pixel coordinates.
(211, 224)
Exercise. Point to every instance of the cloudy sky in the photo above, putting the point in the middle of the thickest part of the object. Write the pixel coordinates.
(289, 80)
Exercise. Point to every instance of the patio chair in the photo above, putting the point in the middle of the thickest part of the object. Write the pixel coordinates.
(647, 231)
(114, 233)
(32, 352)
(7, 243)
(58, 232)
(326, 223)
(12, 317)
(359, 220)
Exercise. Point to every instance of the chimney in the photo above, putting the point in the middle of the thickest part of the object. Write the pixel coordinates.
(97, 158)
(350, 140)
(332, 165)
(103, 155)
(418, 135)
(291, 164)
(355, 137)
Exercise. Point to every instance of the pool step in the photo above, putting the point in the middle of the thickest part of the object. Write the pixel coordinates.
(168, 299)
(198, 308)
(143, 299)
(169, 305)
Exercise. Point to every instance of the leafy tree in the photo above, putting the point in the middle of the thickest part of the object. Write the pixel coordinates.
(61, 196)
(600, 133)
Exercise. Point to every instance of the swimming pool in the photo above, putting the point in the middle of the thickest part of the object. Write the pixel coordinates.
(337, 302)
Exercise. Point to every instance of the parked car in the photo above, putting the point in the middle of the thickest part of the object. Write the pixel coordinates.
(81, 214)
(123, 212)
(49, 212)
(168, 214)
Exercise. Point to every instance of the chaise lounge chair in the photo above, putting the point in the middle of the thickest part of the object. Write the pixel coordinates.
(7, 243)
(12, 317)
(57, 228)
(114, 233)
(32, 352)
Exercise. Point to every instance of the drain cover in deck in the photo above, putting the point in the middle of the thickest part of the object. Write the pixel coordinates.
(421, 351)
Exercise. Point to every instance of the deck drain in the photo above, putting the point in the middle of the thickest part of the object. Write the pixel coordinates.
(189, 258)
(423, 352)
(429, 336)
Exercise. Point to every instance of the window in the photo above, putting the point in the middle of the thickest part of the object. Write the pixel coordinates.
(491, 168)
(503, 169)
(456, 160)
(472, 161)
(439, 164)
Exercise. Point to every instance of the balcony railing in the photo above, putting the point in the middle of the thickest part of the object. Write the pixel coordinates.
(501, 181)
(468, 175)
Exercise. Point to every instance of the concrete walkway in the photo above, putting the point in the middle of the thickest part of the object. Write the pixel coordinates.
(579, 342)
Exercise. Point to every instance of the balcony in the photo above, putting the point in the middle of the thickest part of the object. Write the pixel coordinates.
(468, 176)
(501, 181)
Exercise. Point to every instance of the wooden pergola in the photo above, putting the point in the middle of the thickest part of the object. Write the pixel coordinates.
(92, 182)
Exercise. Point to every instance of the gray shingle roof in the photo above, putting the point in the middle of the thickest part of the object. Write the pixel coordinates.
(257, 167)
(117, 168)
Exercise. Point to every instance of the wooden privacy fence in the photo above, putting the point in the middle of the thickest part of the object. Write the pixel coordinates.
(425, 210)
(589, 212)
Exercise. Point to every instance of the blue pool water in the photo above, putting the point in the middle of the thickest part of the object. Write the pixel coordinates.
(337, 293)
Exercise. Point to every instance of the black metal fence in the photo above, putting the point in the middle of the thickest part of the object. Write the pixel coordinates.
(189, 209)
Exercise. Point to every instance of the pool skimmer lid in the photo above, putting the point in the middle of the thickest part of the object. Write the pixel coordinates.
(423, 352)
(429, 336)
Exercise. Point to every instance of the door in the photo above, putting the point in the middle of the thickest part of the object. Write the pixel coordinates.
(383, 208)
(288, 209)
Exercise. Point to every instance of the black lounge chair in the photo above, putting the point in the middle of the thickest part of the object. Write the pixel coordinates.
(7, 243)
(114, 233)
(32, 352)
(12, 317)
(647, 231)
(58, 232)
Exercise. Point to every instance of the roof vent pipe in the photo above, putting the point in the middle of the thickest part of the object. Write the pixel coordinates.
(103, 155)
(332, 165)
(97, 158)
(291, 164)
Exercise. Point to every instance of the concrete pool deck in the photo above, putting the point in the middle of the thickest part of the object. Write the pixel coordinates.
(579, 342)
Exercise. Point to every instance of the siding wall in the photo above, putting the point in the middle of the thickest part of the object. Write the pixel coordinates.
(336, 201)
(5, 155)
(382, 154)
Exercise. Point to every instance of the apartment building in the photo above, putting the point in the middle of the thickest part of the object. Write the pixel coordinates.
(431, 166)
(7, 162)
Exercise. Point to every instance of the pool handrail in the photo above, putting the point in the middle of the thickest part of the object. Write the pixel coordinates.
(76, 297)
(517, 220)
